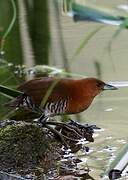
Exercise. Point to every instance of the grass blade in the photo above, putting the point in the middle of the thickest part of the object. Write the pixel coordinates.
(49, 91)
(85, 41)
(9, 92)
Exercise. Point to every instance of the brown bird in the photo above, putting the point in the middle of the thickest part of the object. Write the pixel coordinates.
(57, 96)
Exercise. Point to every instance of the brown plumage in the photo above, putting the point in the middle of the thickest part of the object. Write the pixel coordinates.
(68, 96)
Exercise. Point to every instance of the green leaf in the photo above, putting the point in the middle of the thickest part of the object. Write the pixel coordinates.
(11, 93)
(95, 13)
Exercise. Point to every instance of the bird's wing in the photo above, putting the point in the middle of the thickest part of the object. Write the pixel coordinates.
(46, 89)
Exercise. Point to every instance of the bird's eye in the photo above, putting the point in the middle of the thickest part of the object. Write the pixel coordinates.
(99, 85)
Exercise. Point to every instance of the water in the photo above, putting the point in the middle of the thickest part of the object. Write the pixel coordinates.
(109, 111)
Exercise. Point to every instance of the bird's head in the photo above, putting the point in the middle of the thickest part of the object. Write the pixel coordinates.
(95, 86)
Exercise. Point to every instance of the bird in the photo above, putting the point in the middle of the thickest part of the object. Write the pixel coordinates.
(58, 96)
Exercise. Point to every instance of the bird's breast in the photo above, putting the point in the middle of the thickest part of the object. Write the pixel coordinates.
(79, 100)
(77, 105)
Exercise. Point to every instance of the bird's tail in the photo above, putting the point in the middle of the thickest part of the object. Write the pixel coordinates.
(14, 102)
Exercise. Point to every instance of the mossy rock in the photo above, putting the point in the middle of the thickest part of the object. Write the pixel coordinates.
(23, 145)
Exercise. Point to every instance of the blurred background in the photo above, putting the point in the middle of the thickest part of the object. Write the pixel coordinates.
(37, 33)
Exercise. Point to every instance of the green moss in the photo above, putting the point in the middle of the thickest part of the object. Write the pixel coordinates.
(21, 146)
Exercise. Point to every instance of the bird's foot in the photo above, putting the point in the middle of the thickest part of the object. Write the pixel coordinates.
(58, 135)
(75, 131)
(42, 120)
(70, 134)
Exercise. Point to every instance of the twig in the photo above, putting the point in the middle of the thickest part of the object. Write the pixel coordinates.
(68, 126)
(58, 134)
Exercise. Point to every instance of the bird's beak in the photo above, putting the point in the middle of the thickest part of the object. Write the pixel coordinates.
(109, 87)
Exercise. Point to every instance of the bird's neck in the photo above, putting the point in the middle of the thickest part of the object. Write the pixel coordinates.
(83, 96)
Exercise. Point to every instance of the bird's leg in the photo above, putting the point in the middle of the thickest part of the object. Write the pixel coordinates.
(43, 120)
(44, 117)
(26, 101)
